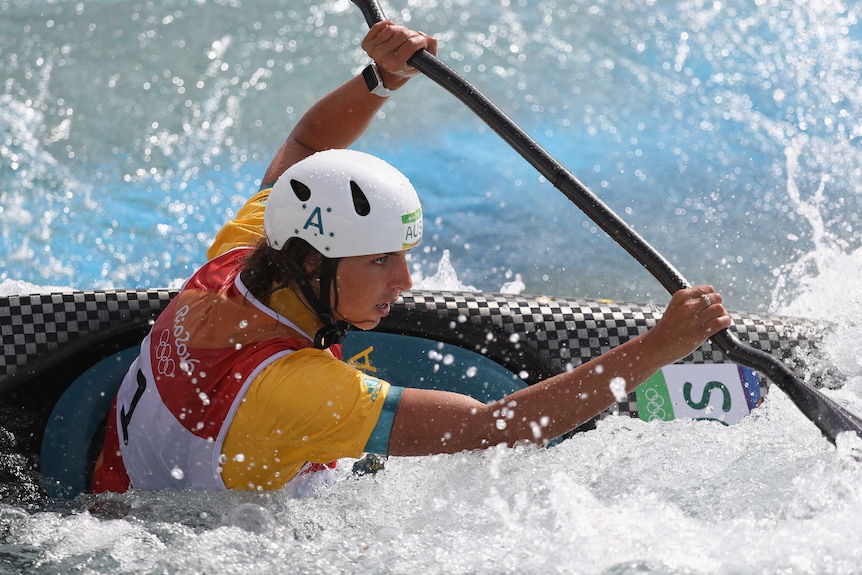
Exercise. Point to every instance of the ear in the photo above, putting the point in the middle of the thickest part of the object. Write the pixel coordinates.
(312, 264)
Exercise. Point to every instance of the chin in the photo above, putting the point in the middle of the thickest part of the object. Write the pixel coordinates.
(366, 325)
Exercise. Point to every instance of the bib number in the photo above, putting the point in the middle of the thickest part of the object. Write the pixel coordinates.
(126, 418)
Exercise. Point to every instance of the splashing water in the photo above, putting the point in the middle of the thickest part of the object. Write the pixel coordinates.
(726, 133)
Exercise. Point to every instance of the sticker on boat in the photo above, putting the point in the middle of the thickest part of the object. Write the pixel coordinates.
(723, 392)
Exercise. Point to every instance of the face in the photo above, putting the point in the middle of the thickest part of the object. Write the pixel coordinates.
(368, 284)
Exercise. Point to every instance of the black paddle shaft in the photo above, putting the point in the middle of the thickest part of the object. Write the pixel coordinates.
(828, 416)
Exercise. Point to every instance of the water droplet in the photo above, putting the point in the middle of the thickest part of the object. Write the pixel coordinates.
(252, 518)
(618, 388)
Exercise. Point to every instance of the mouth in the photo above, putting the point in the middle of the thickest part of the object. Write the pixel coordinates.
(384, 308)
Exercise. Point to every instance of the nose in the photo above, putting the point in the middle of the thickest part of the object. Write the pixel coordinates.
(401, 279)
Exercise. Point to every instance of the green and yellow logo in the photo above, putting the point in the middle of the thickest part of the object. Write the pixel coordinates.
(412, 223)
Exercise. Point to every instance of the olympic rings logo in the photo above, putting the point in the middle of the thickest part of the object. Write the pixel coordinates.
(165, 365)
(655, 406)
(169, 339)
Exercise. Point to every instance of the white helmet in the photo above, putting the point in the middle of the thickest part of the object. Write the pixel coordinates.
(344, 203)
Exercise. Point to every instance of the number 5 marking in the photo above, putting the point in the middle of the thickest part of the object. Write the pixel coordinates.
(707, 392)
(125, 418)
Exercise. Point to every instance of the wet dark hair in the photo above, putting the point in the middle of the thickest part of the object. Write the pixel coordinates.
(267, 270)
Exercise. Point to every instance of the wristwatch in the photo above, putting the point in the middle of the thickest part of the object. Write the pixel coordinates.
(374, 82)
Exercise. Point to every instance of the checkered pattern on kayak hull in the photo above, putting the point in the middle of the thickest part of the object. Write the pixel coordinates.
(33, 326)
(532, 336)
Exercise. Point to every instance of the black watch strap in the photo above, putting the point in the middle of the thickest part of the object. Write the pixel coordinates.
(374, 82)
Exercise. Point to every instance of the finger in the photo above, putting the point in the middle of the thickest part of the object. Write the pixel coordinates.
(715, 318)
(697, 298)
(394, 59)
(692, 292)
(712, 306)
(400, 46)
(700, 290)
(411, 44)
(717, 324)
(383, 36)
(430, 43)
(394, 36)
(380, 28)
(709, 299)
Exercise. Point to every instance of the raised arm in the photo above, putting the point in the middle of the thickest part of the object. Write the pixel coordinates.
(339, 118)
(430, 422)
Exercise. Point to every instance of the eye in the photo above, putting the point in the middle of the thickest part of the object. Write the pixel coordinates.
(381, 260)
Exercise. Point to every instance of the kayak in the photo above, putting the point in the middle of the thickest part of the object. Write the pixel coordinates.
(65, 354)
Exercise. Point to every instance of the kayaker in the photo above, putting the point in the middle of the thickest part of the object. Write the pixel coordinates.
(240, 382)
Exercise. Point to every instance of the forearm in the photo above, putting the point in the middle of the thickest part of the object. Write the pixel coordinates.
(340, 117)
(440, 422)
(336, 121)
(550, 408)
(435, 422)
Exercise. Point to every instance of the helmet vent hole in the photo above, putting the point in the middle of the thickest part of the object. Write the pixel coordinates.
(360, 202)
(302, 191)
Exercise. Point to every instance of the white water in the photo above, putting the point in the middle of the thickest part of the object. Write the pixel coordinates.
(767, 495)
(780, 85)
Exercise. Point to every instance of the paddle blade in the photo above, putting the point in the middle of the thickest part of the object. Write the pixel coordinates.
(829, 417)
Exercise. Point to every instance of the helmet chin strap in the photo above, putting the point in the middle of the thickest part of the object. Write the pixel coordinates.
(333, 331)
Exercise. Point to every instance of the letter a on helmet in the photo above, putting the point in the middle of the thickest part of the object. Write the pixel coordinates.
(344, 203)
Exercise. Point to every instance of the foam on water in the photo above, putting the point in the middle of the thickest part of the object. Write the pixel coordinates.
(766, 495)
(615, 500)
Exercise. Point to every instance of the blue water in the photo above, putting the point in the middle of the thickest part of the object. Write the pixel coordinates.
(726, 133)
(130, 132)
